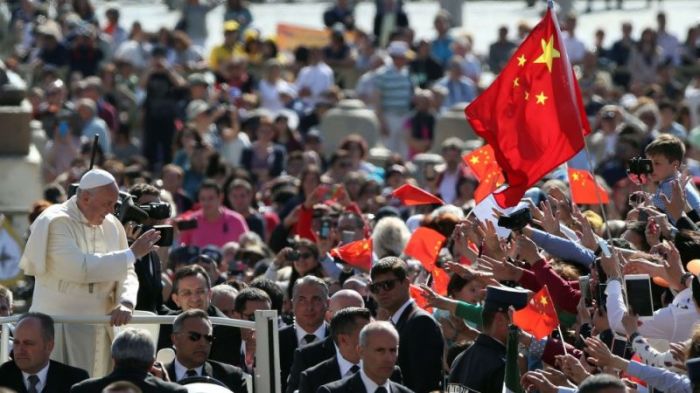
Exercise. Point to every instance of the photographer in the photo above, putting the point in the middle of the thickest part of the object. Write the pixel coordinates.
(292, 263)
(148, 268)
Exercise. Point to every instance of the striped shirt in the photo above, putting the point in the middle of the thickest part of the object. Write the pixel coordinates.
(395, 89)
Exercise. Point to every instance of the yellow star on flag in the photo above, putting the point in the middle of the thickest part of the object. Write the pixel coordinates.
(575, 176)
(549, 53)
(521, 61)
(516, 82)
(541, 98)
(474, 160)
(543, 300)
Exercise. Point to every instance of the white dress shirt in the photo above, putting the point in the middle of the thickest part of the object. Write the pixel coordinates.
(181, 371)
(343, 364)
(320, 333)
(397, 315)
(370, 385)
(42, 374)
(673, 322)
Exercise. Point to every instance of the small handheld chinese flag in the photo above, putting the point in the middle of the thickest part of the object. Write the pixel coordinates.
(417, 294)
(484, 165)
(358, 253)
(440, 280)
(425, 245)
(532, 115)
(583, 188)
(411, 195)
(539, 317)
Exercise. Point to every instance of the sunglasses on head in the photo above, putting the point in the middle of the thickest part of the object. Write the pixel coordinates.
(387, 285)
(194, 336)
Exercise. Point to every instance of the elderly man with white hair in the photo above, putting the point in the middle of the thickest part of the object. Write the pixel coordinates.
(78, 253)
(92, 125)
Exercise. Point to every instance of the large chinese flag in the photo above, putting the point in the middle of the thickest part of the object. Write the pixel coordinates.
(539, 317)
(482, 162)
(583, 188)
(532, 115)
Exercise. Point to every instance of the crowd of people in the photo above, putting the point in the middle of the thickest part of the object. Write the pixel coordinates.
(228, 139)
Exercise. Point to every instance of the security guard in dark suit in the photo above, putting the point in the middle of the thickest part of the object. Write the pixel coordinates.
(481, 367)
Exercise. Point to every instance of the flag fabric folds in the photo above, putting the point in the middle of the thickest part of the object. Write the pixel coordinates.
(424, 245)
(417, 295)
(511, 381)
(357, 253)
(532, 115)
(539, 317)
(411, 195)
(583, 188)
(485, 167)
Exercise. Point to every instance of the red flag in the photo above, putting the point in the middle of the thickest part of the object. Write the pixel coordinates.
(425, 245)
(583, 186)
(440, 280)
(532, 114)
(358, 253)
(411, 195)
(417, 295)
(539, 317)
(484, 165)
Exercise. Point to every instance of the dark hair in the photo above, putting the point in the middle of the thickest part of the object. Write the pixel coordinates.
(688, 244)
(54, 192)
(273, 291)
(346, 321)
(639, 227)
(668, 146)
(141, 189)
(190, 271)
(250, 294)
(599, 382)
(46, 322)
(210, 184)
(316, 271)
(185, 315)
(356, 139)
(456, 284)
(394, 265)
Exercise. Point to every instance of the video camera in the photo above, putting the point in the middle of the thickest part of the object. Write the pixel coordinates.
(126, 210)
(640, 166)
(516, 220)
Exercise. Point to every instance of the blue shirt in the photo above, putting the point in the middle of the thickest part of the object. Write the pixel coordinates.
(666, 186)
(440, 49)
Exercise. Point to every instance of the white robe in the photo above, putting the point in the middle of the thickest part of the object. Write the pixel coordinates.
(80, 269)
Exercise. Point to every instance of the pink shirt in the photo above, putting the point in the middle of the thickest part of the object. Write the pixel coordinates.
(228, 227)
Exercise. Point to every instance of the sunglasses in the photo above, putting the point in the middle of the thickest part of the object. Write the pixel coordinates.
(387, 285)
(194, 337)
(305, 255)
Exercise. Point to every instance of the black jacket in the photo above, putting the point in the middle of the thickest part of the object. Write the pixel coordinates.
(421, 346)
(231, 376)
(309, 356)
(288, 345)
(481, 367)
(226, 347)
(145, 381)
(354, 384)
(329, 371)
(59, 378)
(150, 295)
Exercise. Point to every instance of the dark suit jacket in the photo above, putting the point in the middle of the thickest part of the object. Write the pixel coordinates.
(231, 376)
(59, 379)
(421, 347)
(145, 381)
(309, 356)
(481, 367)
(150, 295)
(329, 371)
(288, 345)
(354, 385)
(226, 347)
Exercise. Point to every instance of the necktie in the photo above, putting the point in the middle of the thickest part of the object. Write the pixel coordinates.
(355, 368)
(309, 338)
(190, 373)
(381, 389)
(33, 381)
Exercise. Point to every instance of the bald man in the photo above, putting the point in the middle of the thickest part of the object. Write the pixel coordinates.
(313, 354)
(83, 265)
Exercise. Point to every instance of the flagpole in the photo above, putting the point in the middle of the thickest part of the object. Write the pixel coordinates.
(561, 337)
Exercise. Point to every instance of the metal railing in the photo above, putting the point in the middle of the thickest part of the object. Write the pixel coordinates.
(267, 362)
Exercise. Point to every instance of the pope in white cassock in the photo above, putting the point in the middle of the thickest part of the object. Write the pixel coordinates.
(83, 265)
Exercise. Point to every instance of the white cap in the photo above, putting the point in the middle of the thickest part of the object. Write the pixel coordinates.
(96, 178)
(398, 48)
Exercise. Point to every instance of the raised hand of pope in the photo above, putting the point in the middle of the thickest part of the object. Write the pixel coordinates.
(145, 243)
